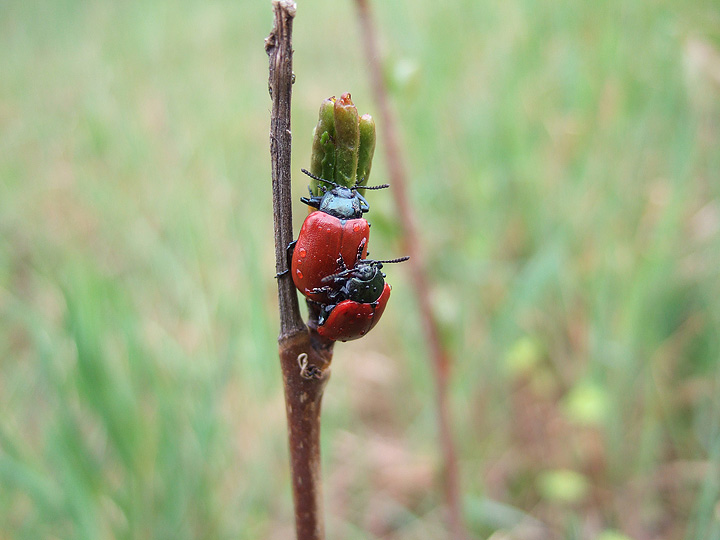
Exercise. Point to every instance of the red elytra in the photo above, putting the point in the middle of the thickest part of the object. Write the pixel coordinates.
(322, 239)
(351, 320)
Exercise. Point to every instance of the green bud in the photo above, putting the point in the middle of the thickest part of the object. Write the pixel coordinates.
(343, 144)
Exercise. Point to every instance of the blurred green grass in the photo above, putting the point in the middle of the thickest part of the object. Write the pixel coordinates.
(565, 161)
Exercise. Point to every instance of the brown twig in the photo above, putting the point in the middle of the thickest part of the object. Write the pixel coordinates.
(439, 356)
(304, 358)
(278, 46)
(304, 381)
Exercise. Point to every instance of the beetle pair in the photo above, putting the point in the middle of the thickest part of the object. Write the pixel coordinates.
(330, 266)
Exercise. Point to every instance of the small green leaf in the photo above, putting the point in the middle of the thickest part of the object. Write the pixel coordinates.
(347, 141)
(322, 158)
(523, 356)
(563, 486)
(367, 148)
(405, 75)
(587, 404)
(612, 535)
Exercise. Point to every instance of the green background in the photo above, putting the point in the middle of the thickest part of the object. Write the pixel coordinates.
(565, 164)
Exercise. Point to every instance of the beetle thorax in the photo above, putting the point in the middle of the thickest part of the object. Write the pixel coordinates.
(342, 203)
(366, 284)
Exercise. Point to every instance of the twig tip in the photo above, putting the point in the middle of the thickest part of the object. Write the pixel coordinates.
(288, 6)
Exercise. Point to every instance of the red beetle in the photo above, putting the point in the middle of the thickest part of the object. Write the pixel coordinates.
(332, 239)
(359, 296)
(324, 246)
(351, 320)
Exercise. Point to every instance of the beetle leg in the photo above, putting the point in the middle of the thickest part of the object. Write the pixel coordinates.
(358, 255)
(321, 290)
(289, 250)
(324, 313)
(364, 206)
(331, 292)
(312, 201)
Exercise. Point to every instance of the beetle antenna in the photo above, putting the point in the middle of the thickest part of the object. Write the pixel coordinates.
(342, 273)
(390, 261)
(381, 186)
(348, 271)
(311, 175)
(358, 185)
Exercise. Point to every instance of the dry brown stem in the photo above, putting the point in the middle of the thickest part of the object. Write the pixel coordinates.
(411, 246)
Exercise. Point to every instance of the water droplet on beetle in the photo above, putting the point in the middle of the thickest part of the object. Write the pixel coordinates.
(356, 227)
(299, 274)
(302, 252)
